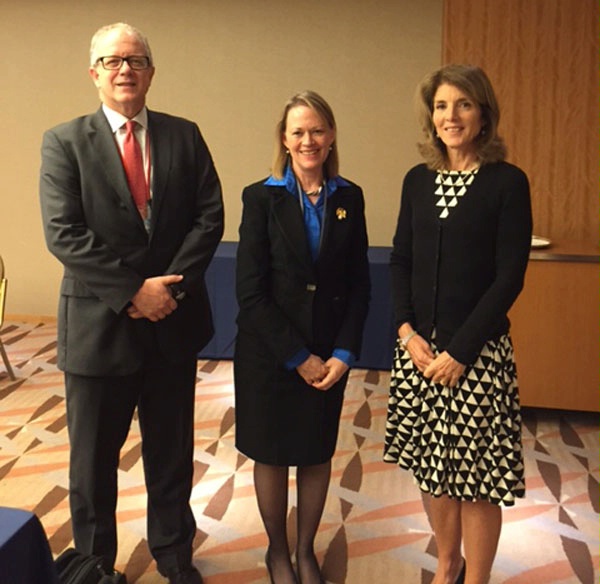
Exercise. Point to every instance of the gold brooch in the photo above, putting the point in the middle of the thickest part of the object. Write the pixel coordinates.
(340, 213)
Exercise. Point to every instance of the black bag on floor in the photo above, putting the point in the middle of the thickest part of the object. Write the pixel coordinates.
(74, 567)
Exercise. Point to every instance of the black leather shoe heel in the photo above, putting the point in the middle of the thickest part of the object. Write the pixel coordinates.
(189, 576)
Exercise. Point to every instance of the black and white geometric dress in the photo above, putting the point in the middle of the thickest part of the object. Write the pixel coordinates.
(464, 442)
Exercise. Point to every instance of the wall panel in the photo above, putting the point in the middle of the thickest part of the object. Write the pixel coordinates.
(542, 57)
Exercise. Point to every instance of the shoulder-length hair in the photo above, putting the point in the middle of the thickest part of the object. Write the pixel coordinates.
(476, 85)
(314, 101)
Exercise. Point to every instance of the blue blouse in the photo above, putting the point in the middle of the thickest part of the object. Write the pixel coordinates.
(313, 213)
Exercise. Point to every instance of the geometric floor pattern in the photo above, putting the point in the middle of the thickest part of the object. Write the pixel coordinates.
(374, 528)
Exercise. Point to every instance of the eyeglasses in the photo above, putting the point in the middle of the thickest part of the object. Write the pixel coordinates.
(114, 63)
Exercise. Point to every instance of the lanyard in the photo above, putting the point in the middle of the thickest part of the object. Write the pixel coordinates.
(324, 194)
(147, 164)
(148, 168)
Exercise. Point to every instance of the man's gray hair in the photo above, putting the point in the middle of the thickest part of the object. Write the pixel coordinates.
(127, 28)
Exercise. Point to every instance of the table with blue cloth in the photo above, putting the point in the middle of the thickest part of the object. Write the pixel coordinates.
(379, 334)
(25, 556)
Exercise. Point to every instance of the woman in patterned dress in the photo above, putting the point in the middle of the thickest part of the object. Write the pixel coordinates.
(458, 263)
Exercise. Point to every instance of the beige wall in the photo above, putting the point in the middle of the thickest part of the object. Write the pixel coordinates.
(229, 65)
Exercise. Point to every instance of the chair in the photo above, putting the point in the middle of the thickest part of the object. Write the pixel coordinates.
(3, 284)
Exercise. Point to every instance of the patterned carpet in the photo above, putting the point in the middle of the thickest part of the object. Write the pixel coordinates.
(374, 528)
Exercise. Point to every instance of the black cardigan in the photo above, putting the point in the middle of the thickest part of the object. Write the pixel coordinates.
(460, 275)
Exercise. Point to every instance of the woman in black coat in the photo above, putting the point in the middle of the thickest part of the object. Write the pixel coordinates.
(303, 291)
(458, 263)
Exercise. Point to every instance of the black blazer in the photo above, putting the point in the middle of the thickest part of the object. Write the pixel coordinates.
(461, 274)
(92, 226)
(285, 298)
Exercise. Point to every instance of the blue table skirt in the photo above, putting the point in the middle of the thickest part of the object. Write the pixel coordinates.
(379, 336)
(25, 556)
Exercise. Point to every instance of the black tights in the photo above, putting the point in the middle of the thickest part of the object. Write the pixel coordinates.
(271, 484)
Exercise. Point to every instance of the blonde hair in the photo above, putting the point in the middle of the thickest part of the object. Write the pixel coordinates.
(475, 84)
(314, 101)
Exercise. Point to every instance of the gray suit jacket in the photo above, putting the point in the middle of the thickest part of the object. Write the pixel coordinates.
(93, 227)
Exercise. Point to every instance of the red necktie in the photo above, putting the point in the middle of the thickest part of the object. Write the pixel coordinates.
(134, 169)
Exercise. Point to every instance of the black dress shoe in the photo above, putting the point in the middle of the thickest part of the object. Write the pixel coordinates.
(268, 564)
(189, 576)
(119, 578)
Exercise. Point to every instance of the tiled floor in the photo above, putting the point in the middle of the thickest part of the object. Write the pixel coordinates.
(374, 528)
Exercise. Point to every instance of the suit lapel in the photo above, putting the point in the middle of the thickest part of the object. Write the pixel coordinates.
(327, 225)
(337, 221)
(107, 151)
(288, 215)
(161, 161)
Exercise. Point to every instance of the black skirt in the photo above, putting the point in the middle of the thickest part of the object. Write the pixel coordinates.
(281, 420)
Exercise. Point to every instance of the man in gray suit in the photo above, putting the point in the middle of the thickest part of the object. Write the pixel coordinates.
(133, 309)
